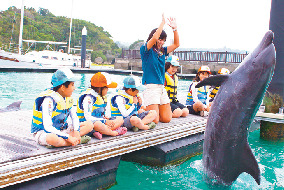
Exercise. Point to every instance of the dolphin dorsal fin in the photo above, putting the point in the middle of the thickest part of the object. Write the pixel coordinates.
(216, 80)
(14, 105)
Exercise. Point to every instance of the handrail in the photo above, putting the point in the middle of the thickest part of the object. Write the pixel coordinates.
(207, 56)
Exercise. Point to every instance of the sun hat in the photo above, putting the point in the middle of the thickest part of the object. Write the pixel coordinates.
(223, 71)
(61, 76)
(174, 60)
(133, 82)
(102, 79)
(204, 68)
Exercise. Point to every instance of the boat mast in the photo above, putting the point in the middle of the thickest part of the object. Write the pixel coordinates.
(70, 28)
(21, 28)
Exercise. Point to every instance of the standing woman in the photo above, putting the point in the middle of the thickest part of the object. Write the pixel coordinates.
(153, 56)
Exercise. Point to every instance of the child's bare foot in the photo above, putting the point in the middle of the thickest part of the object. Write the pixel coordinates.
(121, 130)
(98, 135)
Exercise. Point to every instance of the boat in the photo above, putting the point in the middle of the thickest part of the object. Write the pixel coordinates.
(47, 57)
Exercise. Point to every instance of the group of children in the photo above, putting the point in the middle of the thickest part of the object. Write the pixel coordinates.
(198, 100)
(57, 123)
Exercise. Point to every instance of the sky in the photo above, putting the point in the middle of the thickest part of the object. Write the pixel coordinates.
(210, 24)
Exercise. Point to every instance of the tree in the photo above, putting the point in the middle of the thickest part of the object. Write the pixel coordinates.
(136, 45)
(42, 25)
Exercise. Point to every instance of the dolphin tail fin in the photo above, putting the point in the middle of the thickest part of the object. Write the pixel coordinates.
(216, 80)
(249, 164)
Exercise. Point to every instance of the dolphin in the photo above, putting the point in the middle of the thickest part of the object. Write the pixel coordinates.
(15, 106)
(226, 152)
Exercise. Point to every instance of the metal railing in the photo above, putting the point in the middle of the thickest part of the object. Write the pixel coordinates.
(218, 57)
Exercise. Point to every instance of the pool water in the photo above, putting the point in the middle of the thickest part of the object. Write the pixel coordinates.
(269, 155)
(26, 86)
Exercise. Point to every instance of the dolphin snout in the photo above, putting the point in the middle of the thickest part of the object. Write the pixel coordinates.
(266, 40)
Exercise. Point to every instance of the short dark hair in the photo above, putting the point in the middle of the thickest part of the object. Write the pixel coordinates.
(66, 84)
(167, 66)
(98, 90)
(162, 36)
(133, 89)
(197, 78)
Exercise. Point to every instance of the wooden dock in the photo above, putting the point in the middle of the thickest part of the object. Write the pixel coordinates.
(22, 159)
(271, 117)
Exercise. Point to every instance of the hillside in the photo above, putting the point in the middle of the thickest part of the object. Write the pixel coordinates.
(44, 26)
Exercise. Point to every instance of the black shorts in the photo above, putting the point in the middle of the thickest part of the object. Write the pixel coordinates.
(175, 105)
(127, 123)
(191, 110)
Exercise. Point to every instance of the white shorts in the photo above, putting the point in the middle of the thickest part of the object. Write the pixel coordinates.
(155, 94)
(40, 136)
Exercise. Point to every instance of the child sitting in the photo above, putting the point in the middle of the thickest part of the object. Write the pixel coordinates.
(52, 107)
(171, 83)
(91, 106)
(127, 103)
(198, 99)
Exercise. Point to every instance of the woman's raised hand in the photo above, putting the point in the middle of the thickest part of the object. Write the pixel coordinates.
(172, 23)
(163, 19)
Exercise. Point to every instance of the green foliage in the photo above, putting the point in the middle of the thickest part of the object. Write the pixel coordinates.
(96, 54)
(137, 44)
(42, 25)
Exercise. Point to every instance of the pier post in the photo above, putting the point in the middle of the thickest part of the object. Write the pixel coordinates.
(271, 131)
(83, 47)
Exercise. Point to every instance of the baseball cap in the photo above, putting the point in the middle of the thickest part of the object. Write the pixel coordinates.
(61, 76)
(102, 79)
(133, 82)
(174, 60)
(204, 68)
(223, 71)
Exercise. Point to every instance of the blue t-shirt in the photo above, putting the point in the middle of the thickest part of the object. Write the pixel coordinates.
(153, 65)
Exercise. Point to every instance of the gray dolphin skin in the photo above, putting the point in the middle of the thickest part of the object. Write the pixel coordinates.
(226, 152)
(12, 107)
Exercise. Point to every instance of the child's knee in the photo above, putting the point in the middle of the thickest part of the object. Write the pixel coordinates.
(88, 124)
(153, 113)
(134, 120)
(177, 112)
(98, 125)
(185, 112)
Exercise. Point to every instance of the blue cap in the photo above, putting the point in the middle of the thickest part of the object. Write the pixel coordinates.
(61, 76)
(174, 60)
(133, 82)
